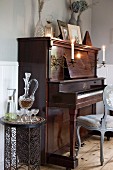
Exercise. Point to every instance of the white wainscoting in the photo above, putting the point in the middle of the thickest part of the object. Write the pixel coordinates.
(107, 73)
(8, 79)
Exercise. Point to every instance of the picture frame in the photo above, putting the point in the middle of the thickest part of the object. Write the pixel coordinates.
(63, 27)
(74, 33)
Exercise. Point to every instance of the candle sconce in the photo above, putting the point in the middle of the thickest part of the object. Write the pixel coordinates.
(103, 62)
(101, 65)
(72, 62)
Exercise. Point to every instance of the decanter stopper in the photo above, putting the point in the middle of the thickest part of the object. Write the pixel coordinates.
(27, 83)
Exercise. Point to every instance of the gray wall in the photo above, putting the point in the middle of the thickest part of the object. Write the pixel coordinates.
(102, 28)
(19, 17)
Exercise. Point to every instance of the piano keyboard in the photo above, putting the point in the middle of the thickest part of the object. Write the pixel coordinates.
(87, 94)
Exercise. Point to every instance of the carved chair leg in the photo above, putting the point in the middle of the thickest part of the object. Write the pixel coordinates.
(78, 140)
(108, 138)
(101, 148)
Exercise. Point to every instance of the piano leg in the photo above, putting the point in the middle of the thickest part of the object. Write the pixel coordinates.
(72, 113)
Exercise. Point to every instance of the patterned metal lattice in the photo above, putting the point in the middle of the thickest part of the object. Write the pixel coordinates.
(28, 148)
(22, 144)
(10, 148)
(22, 148)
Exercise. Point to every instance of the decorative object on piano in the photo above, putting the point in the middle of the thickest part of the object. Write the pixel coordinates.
(79, 7)
(26, 101)
(64, 34)
(87, 39)
(56, 62)
(72, 19)
(74, 33)
(49, 27)
(39, 30)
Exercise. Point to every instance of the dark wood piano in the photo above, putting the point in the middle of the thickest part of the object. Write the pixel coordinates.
(67, 89)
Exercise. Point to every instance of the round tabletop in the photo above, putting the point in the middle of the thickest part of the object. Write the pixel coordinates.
(14, 123)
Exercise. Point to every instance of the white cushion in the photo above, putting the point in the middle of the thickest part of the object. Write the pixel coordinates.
(94, 120)
(109, 122)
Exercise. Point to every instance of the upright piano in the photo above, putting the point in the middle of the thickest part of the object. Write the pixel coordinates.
(67, 88)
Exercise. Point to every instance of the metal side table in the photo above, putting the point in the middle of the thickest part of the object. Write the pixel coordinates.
(22, 144)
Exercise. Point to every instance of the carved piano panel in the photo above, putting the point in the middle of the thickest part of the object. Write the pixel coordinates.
(58, 128)
(65, 91)
(61, 66)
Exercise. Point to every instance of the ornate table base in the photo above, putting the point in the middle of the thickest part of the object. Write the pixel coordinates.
(22, 144)
(22, 148)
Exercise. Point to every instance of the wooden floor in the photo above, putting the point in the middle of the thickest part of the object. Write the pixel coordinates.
(89, 156)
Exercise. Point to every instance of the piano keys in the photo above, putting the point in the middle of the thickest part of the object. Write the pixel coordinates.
(87, 94)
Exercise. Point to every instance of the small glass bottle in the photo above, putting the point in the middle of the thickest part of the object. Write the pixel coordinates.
(11, 105)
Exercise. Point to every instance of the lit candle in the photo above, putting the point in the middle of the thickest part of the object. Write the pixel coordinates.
(72, 49)
(103, 49)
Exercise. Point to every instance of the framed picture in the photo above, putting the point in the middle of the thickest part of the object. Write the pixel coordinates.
(74, 33)
(63, 27)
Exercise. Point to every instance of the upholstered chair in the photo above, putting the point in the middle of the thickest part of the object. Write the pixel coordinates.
(99, 122)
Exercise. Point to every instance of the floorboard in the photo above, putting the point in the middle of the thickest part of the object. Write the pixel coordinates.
(89, 156)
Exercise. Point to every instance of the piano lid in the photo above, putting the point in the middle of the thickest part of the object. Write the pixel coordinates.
(66, 44)
(76, 80)
(77, 85)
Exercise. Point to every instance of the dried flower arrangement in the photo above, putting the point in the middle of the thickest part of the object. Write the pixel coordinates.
(40, 6)
(80, 6)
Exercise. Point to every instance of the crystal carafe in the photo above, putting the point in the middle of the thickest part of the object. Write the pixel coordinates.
(26, 101)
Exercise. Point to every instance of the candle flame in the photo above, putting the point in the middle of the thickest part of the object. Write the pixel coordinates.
(103, 47)
(72, 41)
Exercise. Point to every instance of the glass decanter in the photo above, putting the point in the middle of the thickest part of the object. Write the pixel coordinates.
(26, 101)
